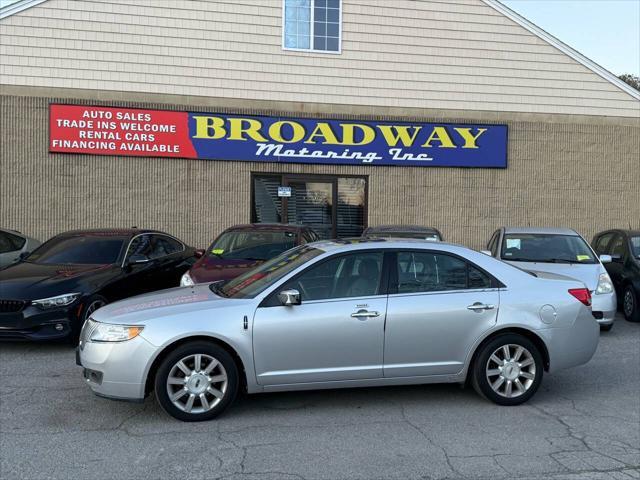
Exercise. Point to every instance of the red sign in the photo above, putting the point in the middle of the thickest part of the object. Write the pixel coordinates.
(119, 131)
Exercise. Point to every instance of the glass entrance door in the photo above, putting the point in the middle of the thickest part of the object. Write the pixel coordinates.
(335, 207)
(311, 203)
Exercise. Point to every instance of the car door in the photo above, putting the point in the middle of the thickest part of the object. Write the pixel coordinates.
(618, 249)
(137, 278)
(337, 331)
(439, 304)
(166, 258)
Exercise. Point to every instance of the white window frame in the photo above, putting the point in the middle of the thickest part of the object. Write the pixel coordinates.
(311, 32)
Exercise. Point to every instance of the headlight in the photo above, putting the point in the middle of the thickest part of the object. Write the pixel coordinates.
(604, 284)
(57, 301)
(186, 280)
(107, 332)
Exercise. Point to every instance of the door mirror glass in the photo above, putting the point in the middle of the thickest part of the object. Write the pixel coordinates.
(138, 258)
(289, 297)
(605, 258)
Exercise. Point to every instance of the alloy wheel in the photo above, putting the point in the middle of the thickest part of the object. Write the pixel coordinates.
(628, 303)
(511, 370)
(93, 306)
(197, 383)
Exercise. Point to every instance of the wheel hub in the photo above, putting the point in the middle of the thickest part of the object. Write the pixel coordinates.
(511, 371)
(198, 383)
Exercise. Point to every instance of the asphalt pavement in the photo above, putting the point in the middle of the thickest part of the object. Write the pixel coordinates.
(583, 423)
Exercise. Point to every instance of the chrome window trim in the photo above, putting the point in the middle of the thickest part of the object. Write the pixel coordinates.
(126, 252)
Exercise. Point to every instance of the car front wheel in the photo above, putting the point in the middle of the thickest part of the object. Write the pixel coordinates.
(196, 382)
(630, 305)
(508, 370)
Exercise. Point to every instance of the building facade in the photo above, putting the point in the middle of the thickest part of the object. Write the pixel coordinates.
(571, 143)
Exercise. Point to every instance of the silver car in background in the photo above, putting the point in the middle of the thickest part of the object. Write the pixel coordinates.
(559, 251)
(337, 314)
(14, 246)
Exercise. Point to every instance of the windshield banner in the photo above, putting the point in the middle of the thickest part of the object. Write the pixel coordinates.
(211, 136)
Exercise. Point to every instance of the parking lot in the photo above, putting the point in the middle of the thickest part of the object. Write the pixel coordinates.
(584, 423)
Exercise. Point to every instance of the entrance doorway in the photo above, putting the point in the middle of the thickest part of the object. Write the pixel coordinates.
(335, 207)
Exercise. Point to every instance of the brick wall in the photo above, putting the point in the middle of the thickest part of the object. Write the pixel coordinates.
(571, 171)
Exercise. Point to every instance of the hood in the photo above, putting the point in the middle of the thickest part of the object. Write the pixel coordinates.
(588, 274)
(213, 268)
(163, 303)
(29, 281)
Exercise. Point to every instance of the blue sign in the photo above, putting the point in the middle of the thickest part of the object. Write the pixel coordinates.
(347, 142)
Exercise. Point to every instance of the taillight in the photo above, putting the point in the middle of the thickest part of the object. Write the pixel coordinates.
(582, 294)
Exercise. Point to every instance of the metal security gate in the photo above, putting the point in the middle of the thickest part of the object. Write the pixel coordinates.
(333, 206)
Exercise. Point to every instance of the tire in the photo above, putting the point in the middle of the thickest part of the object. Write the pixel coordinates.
(90, 305)
(487, 372)
(631, 304)
(206, 391)
(606, 328)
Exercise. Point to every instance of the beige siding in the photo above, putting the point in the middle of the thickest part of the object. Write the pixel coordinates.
(460, 55)
(563, 172)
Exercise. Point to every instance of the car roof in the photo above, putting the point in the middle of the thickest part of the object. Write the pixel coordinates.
(359, 243)
(111, 232)
(402, 228)
(628, 232)
(280, 227)
(541, 230)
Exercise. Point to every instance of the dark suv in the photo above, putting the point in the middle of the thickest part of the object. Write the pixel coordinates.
(624, 269)
(243, 247)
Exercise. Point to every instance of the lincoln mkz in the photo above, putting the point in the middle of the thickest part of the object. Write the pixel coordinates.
(349, 313)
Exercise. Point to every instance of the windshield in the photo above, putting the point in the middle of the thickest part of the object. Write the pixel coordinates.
(417, 235)
(546, 248)
(252, 244)
(78, 250)
(256, 280)
(635, 246)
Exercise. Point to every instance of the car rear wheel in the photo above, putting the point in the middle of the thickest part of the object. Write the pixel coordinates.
(508, 370)
(196, 382)
(631, 305)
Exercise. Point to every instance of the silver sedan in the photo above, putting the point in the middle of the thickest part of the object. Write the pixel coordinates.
(342, 314)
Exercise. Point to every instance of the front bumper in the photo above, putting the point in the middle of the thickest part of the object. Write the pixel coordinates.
(34, 323)
(604, 307)
(116, 369)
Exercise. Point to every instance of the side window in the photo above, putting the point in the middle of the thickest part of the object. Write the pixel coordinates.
(164, 245)
(140, 245)
(354, 275)
(493, 243)
(5, 244)
(433, 272)
(601, 243)
(617, 247)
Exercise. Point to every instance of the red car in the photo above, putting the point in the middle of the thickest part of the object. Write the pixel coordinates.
(242, 247)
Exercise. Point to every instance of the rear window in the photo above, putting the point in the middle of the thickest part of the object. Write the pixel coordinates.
(252, 244)
(546, 248)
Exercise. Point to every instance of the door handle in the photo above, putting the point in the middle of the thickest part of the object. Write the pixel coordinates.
(479, 307)
(364, 314)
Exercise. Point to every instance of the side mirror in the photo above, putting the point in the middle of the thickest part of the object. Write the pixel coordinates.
(23, 255)
(198, 253)
(290, 297)
(615, 258)
(137, 258)
(606, 258)
(486, 252)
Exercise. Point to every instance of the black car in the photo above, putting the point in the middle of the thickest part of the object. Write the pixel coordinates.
(403, 231)
(54, 289)
(624, 269)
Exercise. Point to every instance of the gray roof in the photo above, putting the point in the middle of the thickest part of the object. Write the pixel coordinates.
(541, 230)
